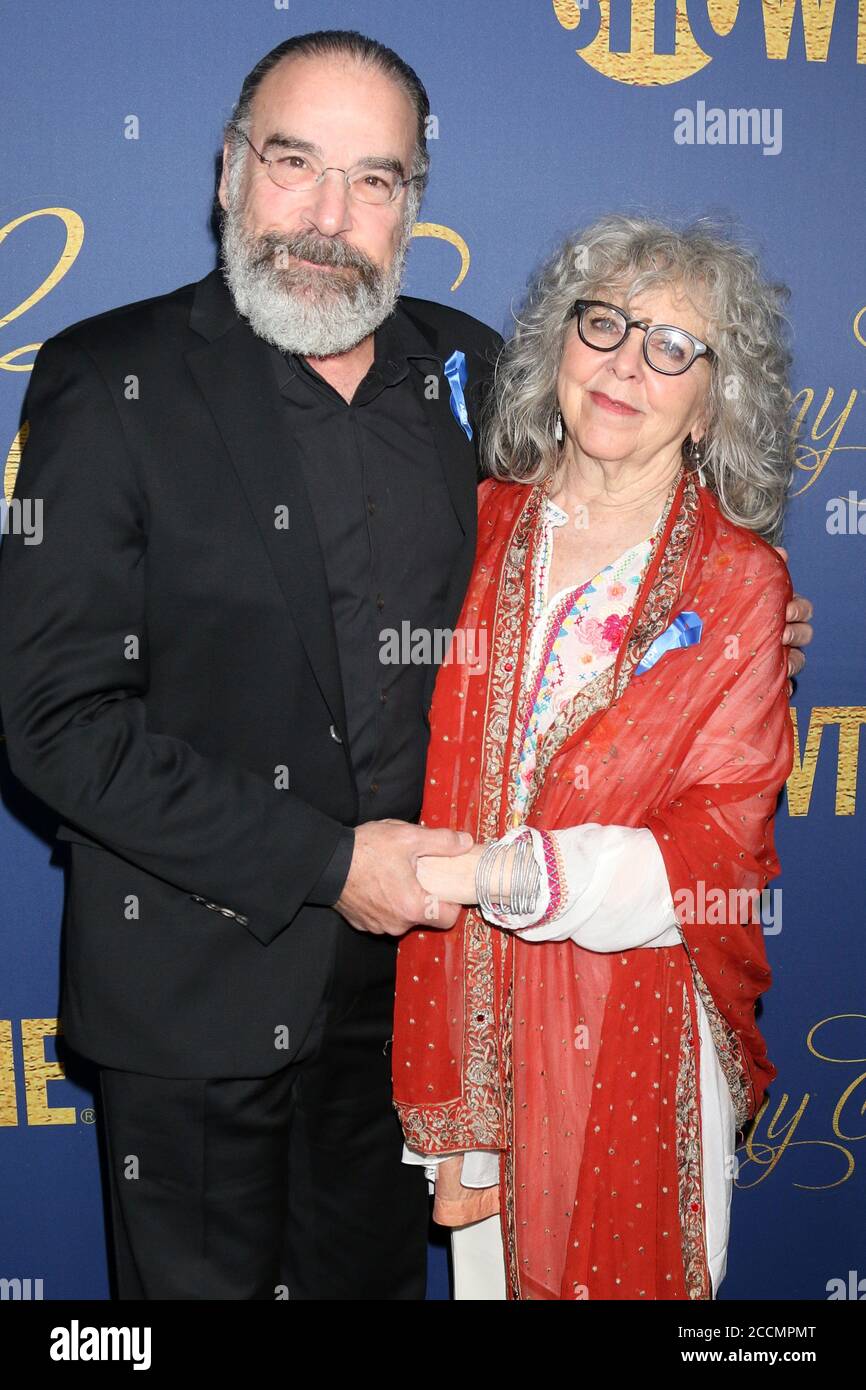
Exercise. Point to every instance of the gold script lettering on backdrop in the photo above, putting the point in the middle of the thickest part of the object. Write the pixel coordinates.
(74, 240)
(453, 238)
(770, 1137)
(814, 460)
(10, 361)
(642, 66)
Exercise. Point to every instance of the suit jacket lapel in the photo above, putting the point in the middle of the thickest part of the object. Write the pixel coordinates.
(235, 373)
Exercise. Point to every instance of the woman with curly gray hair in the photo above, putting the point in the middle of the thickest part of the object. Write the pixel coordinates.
(573, 1060)
(747, 449)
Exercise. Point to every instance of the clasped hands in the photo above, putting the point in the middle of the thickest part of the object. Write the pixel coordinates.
(403, 876)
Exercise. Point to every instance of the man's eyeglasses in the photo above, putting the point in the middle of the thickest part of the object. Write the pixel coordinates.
(298, 173)
(665, 348)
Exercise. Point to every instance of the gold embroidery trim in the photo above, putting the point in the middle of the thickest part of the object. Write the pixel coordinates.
(690, 1185)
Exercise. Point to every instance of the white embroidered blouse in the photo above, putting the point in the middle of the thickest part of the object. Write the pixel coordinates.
(613, 888)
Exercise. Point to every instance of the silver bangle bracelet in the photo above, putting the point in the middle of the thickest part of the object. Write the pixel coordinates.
(522, 898)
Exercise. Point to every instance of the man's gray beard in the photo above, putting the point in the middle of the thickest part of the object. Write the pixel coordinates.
(311, 312)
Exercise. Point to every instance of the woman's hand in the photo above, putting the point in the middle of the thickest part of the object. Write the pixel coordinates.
(450, 878)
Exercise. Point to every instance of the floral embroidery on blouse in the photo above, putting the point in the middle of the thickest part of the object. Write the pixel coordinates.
(576, 635)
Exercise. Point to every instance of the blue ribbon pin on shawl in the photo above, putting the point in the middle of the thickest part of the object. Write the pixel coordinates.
(456, 371)
(684, 631)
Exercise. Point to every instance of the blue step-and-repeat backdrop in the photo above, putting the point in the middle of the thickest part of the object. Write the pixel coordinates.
(546, 113)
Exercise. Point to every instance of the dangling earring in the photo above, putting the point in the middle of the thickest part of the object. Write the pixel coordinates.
(697, 459)
(557, 429)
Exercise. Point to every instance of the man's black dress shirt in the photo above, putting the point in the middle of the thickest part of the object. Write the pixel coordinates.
(389, 537)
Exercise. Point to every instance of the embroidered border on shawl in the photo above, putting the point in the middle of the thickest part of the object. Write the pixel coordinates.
(505, 663)
(478, 1118)
(728, 1051)
(507, 1181)
(655, 614)
(475, 1120)
(534, 513)
(690, 1190)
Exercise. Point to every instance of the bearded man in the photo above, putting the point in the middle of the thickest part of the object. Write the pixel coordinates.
(249, 485)
(192, 680)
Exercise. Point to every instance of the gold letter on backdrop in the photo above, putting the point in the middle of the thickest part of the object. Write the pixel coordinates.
(849, 718)
(8, 360)
(74, 239)
(453, 238)
(643, 66)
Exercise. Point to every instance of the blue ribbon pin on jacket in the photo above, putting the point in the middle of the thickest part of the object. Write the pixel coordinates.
(456, 371)
(684, 631)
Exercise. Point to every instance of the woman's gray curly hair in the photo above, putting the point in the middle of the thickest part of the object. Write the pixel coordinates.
(748, 449)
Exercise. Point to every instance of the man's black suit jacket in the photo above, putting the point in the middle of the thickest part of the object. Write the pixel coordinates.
(164, 652)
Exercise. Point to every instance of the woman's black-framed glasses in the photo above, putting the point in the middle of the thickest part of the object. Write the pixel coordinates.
(369, 182)
(665, 348)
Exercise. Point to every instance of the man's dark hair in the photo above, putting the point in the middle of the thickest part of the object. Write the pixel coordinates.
(327, 43)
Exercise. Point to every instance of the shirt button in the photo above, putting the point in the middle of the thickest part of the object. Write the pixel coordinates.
(374, 786)
(371, 506)
(383, 698)
(380, 601)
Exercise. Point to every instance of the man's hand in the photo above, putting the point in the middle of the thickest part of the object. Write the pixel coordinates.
(382, 894)
(798, 632)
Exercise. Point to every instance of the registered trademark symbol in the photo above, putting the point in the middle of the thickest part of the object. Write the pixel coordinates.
(87, 1117)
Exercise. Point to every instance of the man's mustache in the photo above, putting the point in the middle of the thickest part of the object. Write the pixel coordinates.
(273, 250)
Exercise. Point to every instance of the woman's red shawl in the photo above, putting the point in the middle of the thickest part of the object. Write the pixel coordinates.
(581, 1066)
